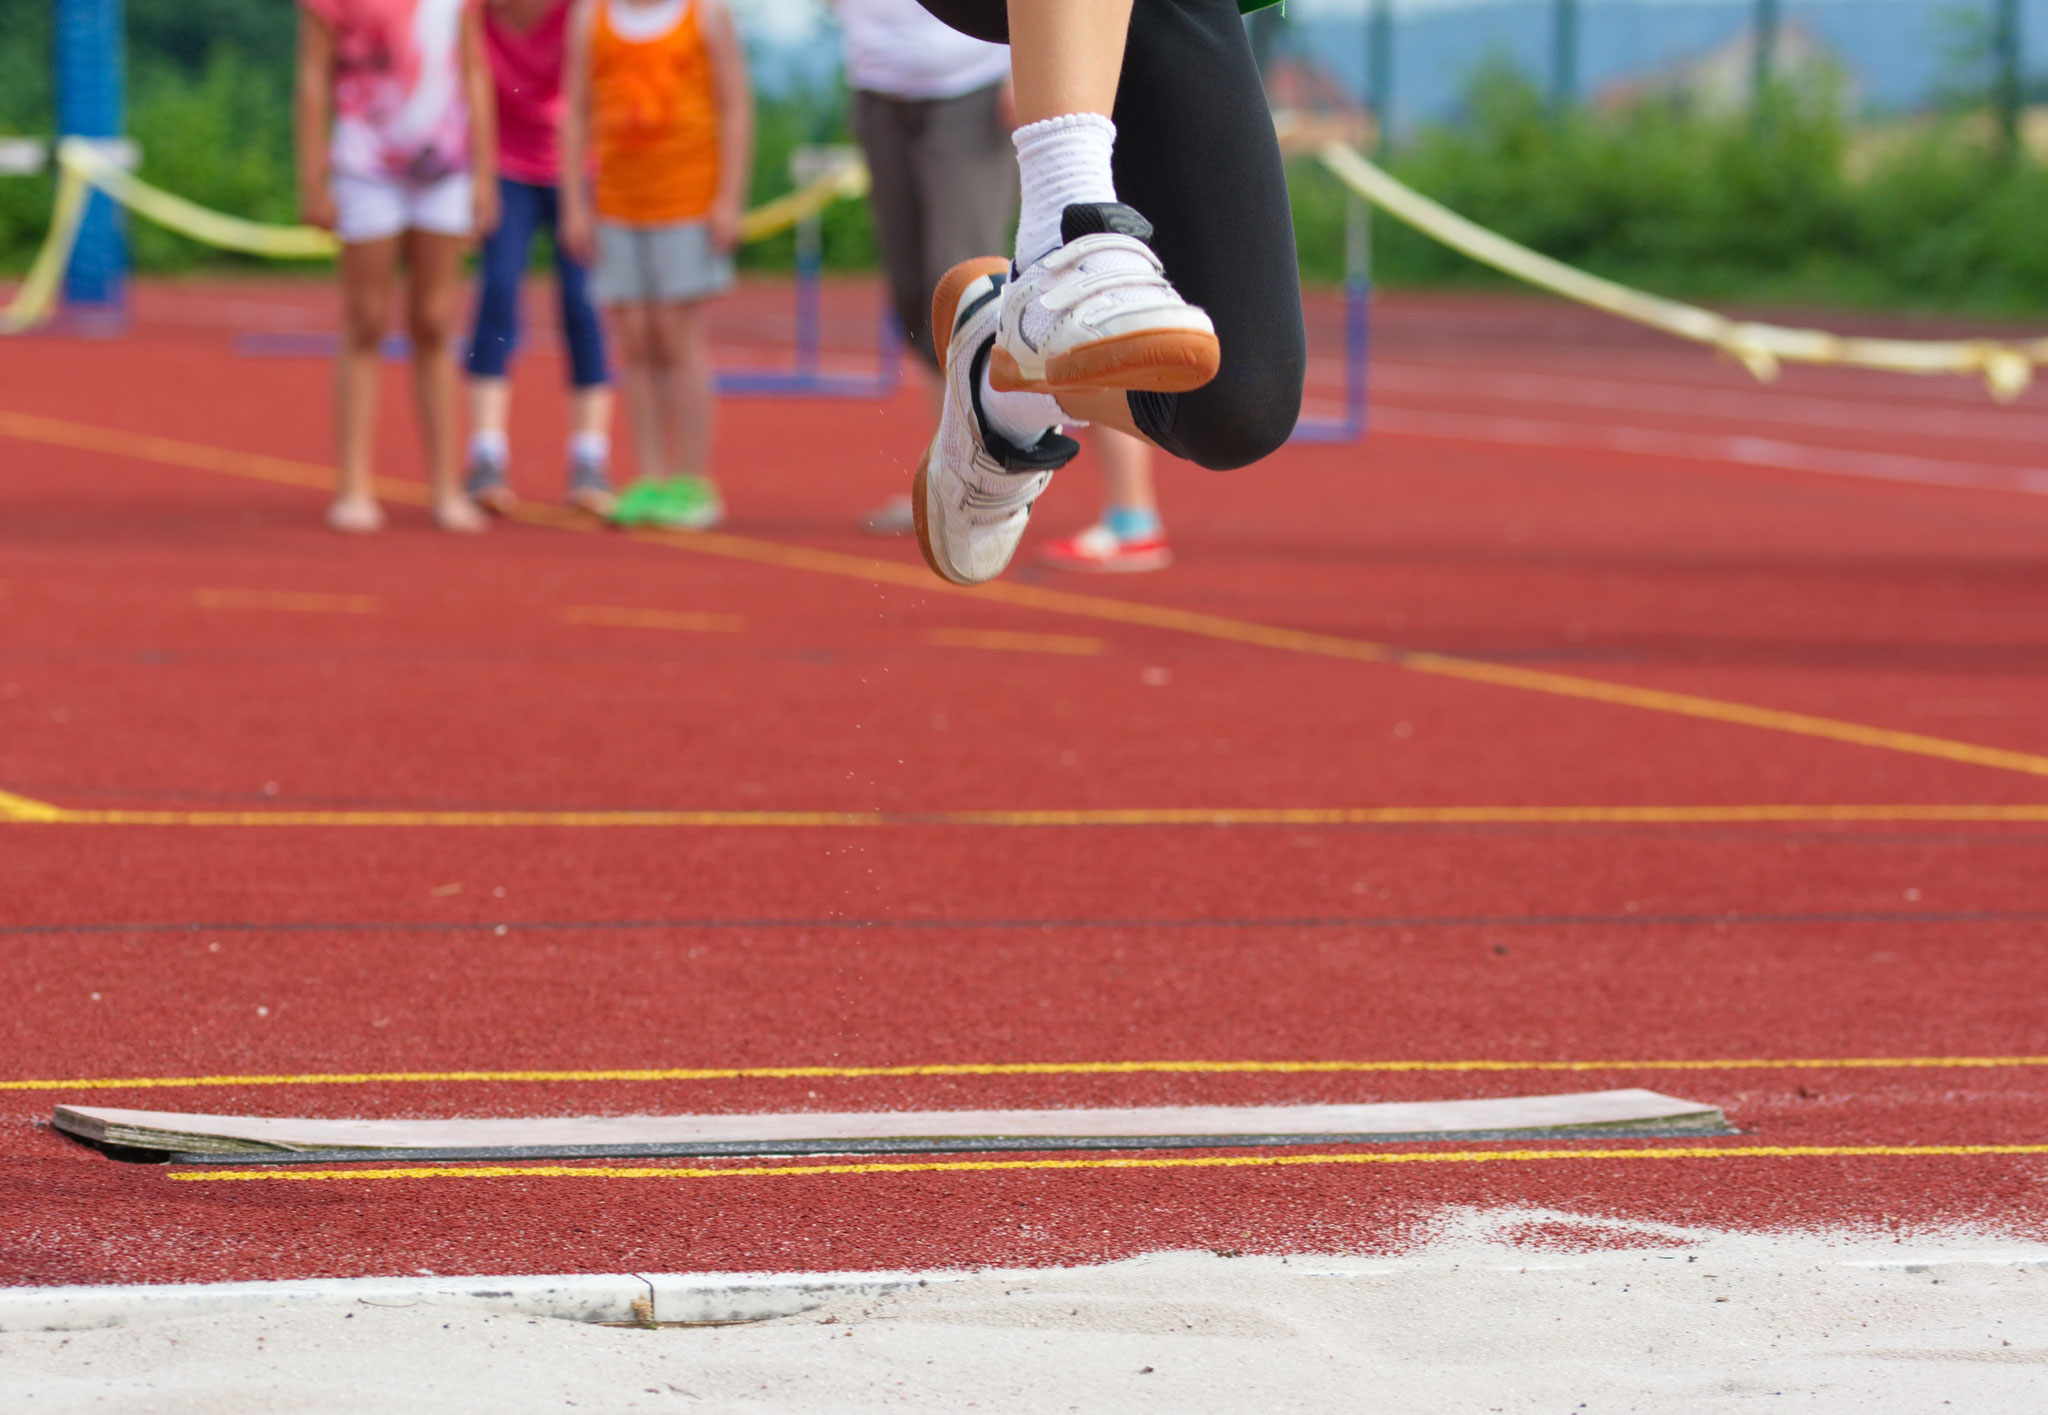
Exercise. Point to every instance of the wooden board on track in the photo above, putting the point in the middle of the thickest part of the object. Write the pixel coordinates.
(222, 1137)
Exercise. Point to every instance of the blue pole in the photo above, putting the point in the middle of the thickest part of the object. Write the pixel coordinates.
(91, 103)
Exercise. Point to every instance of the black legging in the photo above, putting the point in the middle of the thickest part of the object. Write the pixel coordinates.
(1195, 153)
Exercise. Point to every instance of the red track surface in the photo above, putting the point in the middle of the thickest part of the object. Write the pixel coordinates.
(451, 682)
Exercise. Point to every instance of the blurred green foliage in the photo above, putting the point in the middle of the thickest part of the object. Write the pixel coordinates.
(210, 102)
(1789, 205)
(1785, 205)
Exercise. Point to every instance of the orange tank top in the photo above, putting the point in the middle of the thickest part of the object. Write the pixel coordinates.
(654, 121)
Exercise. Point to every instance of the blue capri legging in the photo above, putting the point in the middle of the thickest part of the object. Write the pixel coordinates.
(524, 209)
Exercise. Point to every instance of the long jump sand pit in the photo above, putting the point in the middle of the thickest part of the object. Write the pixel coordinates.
(1501, 1311)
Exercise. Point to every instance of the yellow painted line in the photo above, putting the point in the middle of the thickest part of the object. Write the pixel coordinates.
(1029, 1068)
(686, 621)
(1015, 643)
(284, 471)
(288, 601)
(1716, 710)
(798, 1171)
(171, 452)
(21, 810)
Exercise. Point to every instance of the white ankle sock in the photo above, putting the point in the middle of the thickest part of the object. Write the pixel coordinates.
(1023, 418)
(594, 448)
(487, 444)
(1061, 161)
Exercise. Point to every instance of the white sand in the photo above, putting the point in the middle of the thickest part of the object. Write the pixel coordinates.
(1694, 1322)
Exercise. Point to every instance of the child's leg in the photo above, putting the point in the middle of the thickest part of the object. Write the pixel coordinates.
(689, 402)
(590, 396)
(1126, 474)
(1127, 537)
(433, 295)
(367, 269)
(495, 334)
(633, 338)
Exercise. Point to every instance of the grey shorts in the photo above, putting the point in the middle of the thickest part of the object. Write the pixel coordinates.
(658, 264)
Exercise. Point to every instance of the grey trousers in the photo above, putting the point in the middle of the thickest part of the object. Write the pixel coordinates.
(944, 191)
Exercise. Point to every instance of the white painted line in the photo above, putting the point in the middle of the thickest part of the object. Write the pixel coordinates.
(226, 1134)
(674, 1297)
(1991, 422)
(1709, 448)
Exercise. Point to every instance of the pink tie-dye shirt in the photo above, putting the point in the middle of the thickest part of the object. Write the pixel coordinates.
(399, 109)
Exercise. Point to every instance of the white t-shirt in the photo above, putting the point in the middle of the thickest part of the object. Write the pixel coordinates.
(899, 48)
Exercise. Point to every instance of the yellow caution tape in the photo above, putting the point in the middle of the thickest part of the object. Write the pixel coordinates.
(82, 167)
(846, 180)
(2006, 369)
(31, 303)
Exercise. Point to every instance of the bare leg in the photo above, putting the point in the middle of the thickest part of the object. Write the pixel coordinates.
(633, 336)
(490, 404)
(1066, 55)
(1126, 471)
(434, 291)
(366, 276)
(590, 409)
(490, 414)
(692, 403)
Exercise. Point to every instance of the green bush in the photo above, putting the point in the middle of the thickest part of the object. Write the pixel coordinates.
(222, 140)
(846, 236)
(1765, 208)
(1753, 207)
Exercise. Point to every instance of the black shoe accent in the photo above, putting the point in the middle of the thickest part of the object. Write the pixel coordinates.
(966, 310)
(1051, 452)
(1097, 217)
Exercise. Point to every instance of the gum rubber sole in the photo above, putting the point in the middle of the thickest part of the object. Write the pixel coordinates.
(1168, 361)
(945, 308)
(920, 524)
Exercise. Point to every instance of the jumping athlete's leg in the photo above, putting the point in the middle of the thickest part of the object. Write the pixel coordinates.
(1201, 162)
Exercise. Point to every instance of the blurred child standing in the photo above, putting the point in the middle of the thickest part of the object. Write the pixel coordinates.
(526, 41)
(395, 137)
(657, 91)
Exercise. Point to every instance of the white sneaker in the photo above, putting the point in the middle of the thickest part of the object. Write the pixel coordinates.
(1098, 313)
(973, 492)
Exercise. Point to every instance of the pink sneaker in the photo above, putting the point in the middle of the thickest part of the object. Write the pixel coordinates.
(1100, 549)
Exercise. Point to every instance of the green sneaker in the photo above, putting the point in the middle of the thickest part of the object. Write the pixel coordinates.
(687, 504)
(636, 504)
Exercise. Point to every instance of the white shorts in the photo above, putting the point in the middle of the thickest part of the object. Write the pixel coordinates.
(378, 208)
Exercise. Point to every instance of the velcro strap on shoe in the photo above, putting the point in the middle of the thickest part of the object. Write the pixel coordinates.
(1051, 452)
(1095, 218)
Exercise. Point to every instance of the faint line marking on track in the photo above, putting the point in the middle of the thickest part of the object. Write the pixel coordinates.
(682, 620)
(1031, 1068)
(21, 810)
(797, 1171)
(1715, 449)
(172, 452)
(15, 808)
(1001, 640)
(287, 601)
